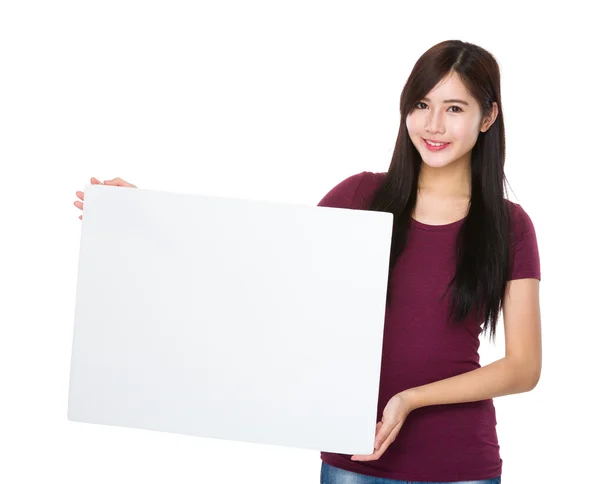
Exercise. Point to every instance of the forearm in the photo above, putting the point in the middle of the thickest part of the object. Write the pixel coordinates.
(502, 377)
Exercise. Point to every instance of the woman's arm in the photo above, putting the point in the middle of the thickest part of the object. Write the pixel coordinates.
(519, 371)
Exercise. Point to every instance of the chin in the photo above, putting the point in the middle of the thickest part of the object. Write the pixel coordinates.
(439, 164)
(437, 159)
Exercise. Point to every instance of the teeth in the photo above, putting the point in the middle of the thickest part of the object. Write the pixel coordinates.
(435, 144)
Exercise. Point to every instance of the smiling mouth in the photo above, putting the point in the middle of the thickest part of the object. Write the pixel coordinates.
(435, 146)
(435, 143)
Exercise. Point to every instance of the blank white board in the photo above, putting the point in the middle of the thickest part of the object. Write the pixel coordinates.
(227, 318)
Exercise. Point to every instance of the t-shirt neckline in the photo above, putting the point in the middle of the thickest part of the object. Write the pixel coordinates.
(436, 228)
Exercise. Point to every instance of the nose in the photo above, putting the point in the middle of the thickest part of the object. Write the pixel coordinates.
(434, 122)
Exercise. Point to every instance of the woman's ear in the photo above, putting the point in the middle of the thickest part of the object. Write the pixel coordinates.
(490, 118)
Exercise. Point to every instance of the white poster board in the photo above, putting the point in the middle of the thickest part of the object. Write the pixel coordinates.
(226, 318)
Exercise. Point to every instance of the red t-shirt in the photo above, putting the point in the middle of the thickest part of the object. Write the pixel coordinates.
(451, 442)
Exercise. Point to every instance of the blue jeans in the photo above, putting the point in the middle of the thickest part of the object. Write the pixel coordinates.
(334, 475)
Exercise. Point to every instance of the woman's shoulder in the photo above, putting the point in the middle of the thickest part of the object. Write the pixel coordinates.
(374, 176)
(523, 243)
(352, 190)
(520, 220)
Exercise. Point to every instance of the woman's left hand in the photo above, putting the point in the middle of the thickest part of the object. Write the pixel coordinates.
(387, 429)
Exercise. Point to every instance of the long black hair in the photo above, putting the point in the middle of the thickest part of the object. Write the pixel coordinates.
(482, 246)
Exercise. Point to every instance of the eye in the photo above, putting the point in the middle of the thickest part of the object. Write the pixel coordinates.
(451, 107)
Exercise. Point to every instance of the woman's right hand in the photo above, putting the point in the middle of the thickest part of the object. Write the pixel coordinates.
(116, 182)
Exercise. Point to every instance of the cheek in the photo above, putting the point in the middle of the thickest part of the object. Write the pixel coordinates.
(413, 128)
(463, 133)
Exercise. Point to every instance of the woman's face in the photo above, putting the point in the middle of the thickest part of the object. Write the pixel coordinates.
(457, 123)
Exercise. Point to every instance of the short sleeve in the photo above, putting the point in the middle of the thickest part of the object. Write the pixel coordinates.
(524, 246)
(343, 195)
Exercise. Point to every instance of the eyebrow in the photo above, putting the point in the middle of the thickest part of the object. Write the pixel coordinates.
(459, 101)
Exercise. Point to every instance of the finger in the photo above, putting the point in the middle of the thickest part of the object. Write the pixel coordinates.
(376, 454)
(81, 217)
(383, 434)
(79, 194)
(119, 182)
(390, 437)
(378, 434)
(95, 181)
(362, 458)
(78, 205)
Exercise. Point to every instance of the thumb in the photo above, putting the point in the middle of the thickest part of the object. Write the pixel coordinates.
(379, 437)
(119, 182)
(384, 432)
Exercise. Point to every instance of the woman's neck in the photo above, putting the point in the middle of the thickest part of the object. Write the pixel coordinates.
(452, 181)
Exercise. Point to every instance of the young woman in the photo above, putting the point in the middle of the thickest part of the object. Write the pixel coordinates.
(461, 252)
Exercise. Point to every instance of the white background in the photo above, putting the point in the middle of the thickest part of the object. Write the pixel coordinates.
(274, 101)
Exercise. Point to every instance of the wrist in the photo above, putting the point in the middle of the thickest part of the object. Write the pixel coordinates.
(410, 398)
